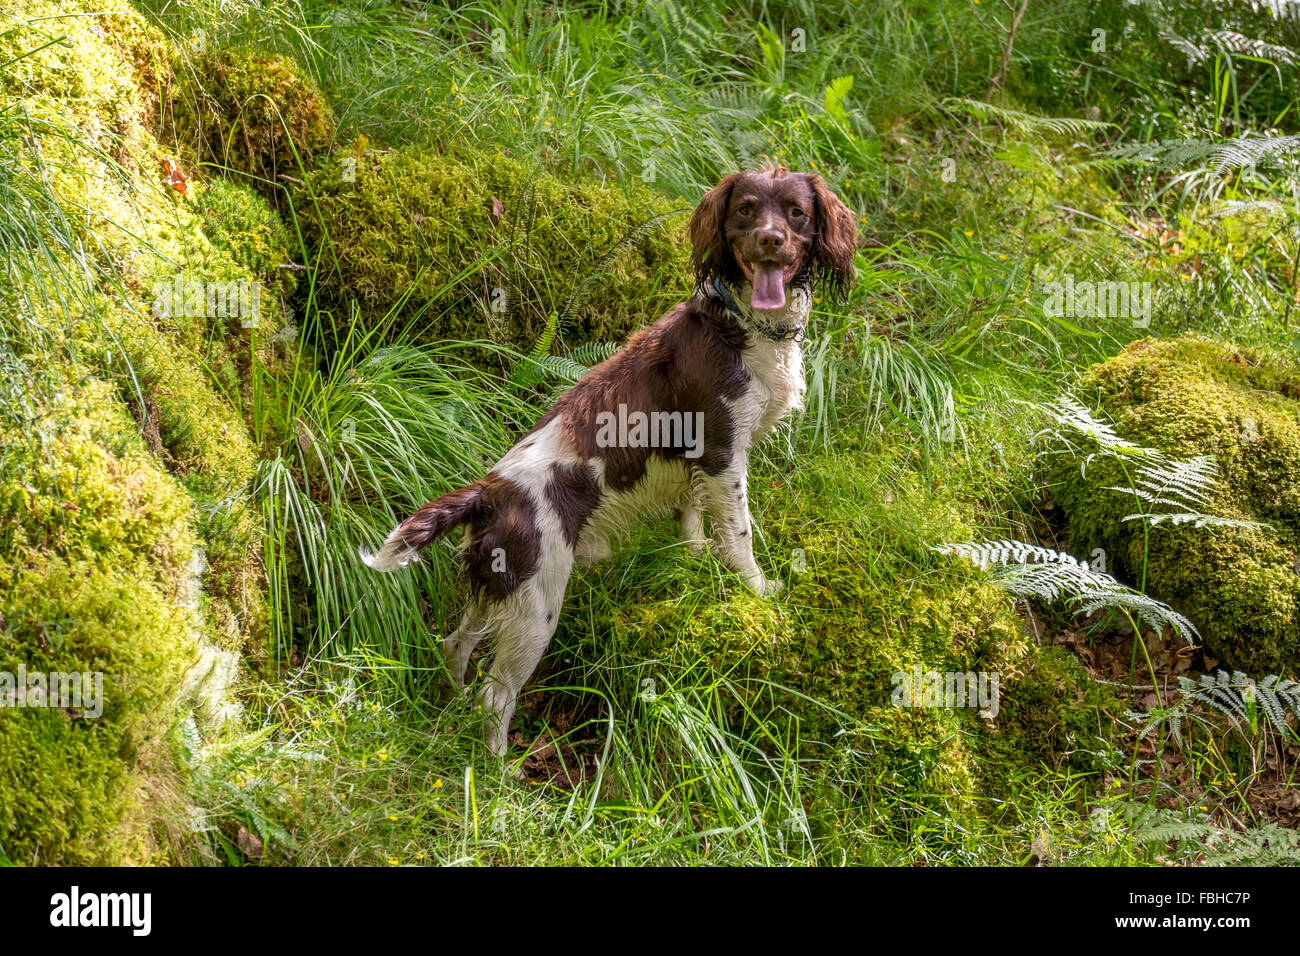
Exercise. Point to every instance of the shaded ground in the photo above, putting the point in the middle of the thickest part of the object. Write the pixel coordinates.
(1266, 782)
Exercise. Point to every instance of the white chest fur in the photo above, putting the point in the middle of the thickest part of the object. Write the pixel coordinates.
(777, 385)
(776, 368)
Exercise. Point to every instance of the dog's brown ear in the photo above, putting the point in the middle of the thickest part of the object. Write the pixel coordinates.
(708, 243)
(836, 241)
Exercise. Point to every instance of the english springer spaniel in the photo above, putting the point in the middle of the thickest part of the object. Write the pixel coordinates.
(668, 422)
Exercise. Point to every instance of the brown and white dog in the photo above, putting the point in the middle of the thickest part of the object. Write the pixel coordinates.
(666, 423)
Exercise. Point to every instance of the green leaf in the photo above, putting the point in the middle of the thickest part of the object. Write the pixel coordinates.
(836, 92)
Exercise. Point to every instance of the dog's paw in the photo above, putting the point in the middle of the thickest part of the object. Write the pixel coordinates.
(764, 586)
(698, 546)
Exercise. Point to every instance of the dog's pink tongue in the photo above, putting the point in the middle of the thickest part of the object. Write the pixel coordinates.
(769, 288)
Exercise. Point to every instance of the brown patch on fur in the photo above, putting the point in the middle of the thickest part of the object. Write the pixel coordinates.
(574, 494)
(687, 362)
(440, 515)
(836, 241)
(504, 545)
(709, 253)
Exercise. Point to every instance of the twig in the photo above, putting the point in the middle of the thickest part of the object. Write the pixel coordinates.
(1001, 74)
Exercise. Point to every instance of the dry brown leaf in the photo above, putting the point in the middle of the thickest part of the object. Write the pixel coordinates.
(173, 177)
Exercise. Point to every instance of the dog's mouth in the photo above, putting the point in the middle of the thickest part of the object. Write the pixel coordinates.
(769, 279)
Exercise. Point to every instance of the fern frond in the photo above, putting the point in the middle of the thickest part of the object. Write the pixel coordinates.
(598, 271)
(593, 353)
(531, 369)
(539, 365)
(1196, 520)
(1027, 570)
(1234, 695)
(1249, 150)
(1185, 485)
(1232, 42)
(1237, 153)
(1179, 483)
(1210, 845)
(1025, 122)
(1072, 416)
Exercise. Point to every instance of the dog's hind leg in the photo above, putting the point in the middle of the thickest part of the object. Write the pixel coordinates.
(523, 634)
(516, 658)
(692, 518)
(460, 643)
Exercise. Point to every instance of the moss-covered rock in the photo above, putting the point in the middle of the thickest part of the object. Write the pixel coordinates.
(488, 247)
(100, 71)
(72, 780)
(1194, 396)
(243, 229)
(97, 542)
(250, 112)
(129, 542)
(867, 600)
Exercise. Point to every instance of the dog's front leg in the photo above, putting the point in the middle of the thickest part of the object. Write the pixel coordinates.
(727, 498)
(692, 519)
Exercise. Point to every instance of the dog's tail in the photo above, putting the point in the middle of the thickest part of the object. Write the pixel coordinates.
(403, 544)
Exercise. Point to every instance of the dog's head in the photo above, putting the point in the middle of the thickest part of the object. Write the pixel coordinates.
(767, 228)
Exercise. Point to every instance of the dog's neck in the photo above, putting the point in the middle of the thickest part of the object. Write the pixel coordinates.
(779, 325)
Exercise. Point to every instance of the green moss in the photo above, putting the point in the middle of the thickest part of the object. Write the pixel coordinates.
(422, 220)
(1054, 711)
(97, 543)
(79, 483)
(249, 112)
(102, 67)
(69, 780)
(245, 230)
(127, 466)
(873, 600)
(1194, 396)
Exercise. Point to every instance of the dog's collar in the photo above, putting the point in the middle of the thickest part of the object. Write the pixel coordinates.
(715, 287)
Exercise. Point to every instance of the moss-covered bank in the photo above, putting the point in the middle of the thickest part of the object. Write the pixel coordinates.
(866, 600)
(1195, 396)
(129, 545)
(478, 245)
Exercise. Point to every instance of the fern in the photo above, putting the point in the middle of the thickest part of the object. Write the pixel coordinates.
(1181, 484)
(1266, 845)
(1249, 150)
(1071, 414)
(593, 353)
(1232, 42)
(1025, 122)
(1027, 570)
(1240, 698)
(1185, 485)
(1204, 161)
(532, 367)
(539, 365)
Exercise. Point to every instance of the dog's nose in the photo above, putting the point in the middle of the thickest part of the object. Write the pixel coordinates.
(770, 239)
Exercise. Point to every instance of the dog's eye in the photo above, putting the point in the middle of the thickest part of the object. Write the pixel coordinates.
(746, 209)
(797, 213)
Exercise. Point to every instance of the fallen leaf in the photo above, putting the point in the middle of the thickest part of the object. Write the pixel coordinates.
(250, 844)
(173, 177)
